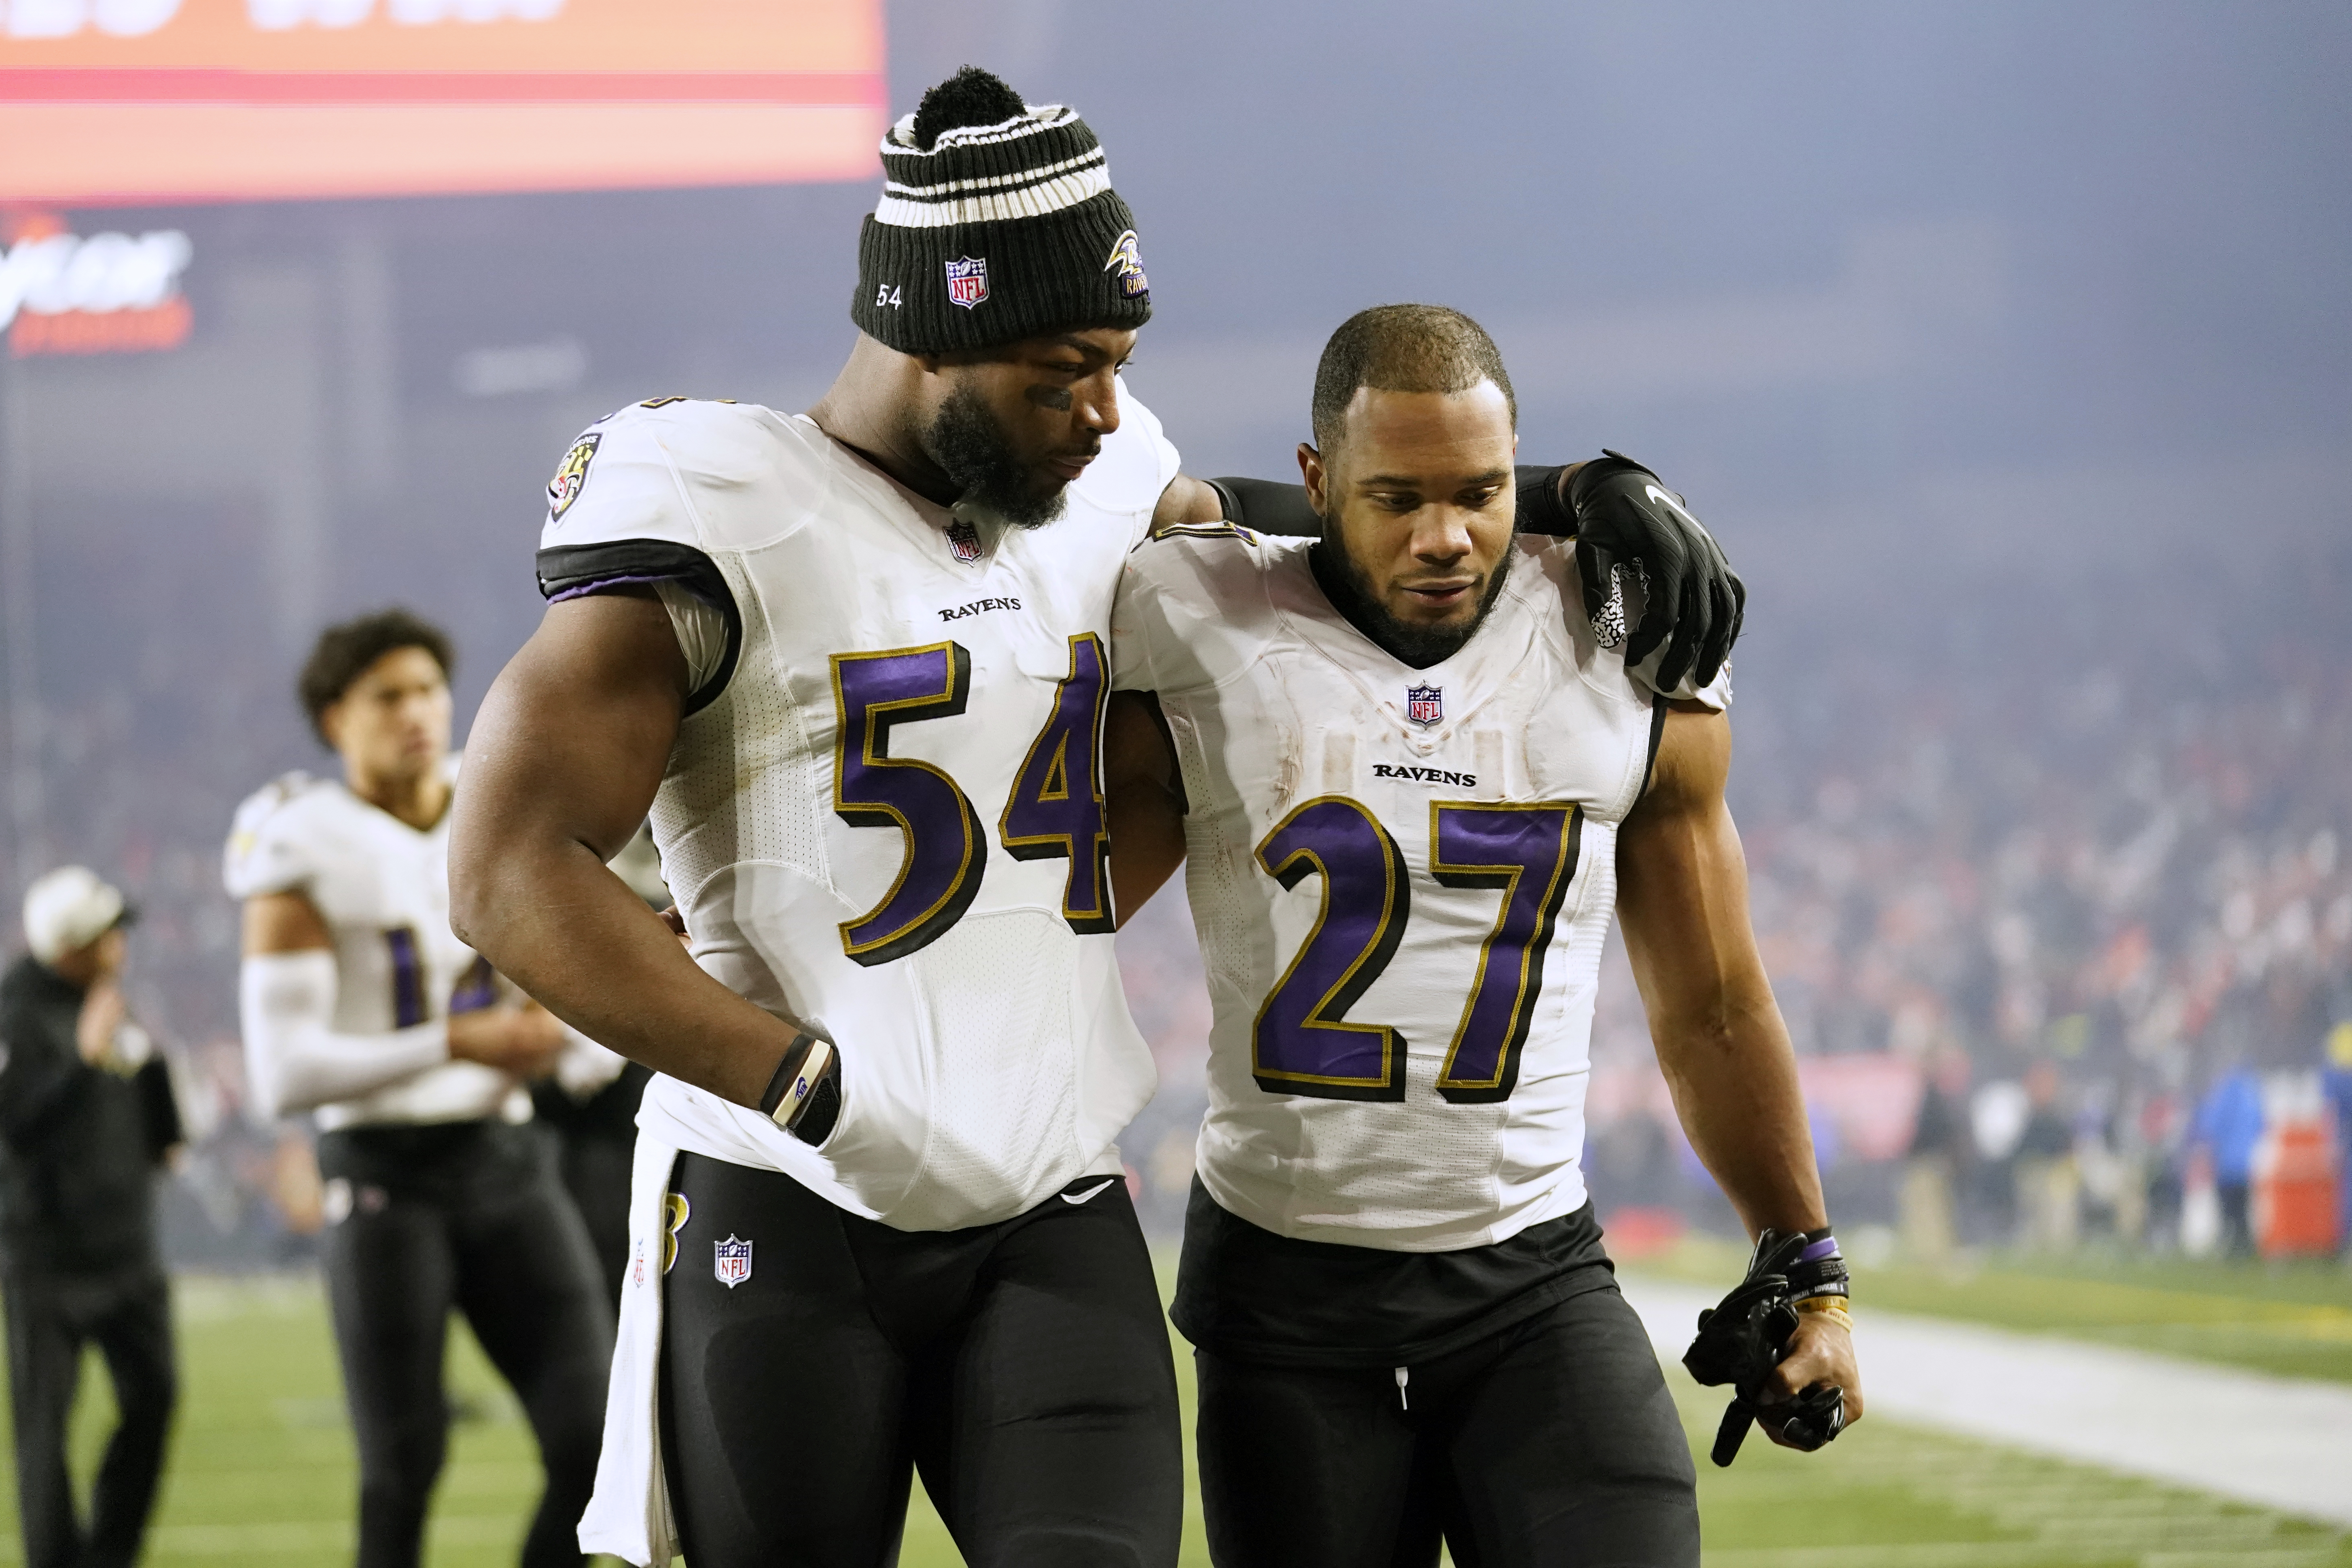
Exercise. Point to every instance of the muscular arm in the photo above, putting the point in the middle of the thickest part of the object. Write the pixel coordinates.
(1187, 499)
(1682, 900)
(560, 768)
(1145, 800)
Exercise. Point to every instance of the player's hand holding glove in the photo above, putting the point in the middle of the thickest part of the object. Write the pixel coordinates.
(1621, 514)
(1782, 1340)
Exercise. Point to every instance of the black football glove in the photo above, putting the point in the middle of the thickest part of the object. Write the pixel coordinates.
(1743, 1337)
(1625, 516)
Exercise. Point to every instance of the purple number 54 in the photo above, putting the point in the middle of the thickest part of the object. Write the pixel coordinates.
(1054, 812)
(873, 692)
(1304, 1043)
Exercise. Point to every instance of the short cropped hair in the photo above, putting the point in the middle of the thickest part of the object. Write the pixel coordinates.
(343, 653)
(1403, 348)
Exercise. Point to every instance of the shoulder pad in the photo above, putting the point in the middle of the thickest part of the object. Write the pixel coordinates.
(264, 855)
(620, 477)
(705, 475)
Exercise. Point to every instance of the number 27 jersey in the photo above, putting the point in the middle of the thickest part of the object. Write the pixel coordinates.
(1401, 879)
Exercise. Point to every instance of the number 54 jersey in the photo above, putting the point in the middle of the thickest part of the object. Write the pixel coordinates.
(882, 814)
(1401, 879)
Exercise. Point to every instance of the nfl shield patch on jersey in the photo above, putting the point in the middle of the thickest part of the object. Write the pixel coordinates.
(967, 280)
(964, 540)
(565, 488)
(1424, 705)
(732, 1261)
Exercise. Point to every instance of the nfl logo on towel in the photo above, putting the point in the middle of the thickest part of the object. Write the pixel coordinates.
(968, 281)
(1424, 705)
(732, 1262)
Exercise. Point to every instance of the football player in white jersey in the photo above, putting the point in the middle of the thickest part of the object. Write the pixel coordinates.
(1409, 794)
(360, 1008)
(859, 683)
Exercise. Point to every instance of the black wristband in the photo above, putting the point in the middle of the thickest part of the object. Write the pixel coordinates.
(786, 1070)
(1541, 510)
(1820, 1270)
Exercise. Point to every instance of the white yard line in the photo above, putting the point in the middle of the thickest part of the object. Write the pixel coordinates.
(2284, 1443)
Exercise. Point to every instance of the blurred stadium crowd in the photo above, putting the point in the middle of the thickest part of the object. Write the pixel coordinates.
(2056, 895)
(2059, 909)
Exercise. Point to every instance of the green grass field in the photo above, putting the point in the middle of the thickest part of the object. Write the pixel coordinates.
(2294, 1319)
(262, 1472)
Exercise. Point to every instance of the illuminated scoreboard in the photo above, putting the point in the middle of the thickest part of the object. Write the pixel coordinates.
(140, 102)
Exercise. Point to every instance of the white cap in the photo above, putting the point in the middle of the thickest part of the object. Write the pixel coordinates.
(68, 908)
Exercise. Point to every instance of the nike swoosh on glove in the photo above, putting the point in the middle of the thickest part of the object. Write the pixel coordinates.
(1626, 515)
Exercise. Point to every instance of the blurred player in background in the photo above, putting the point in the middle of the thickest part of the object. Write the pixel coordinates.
(1411, 795)
(858, 681)
(414, 1058)
(87, 1118)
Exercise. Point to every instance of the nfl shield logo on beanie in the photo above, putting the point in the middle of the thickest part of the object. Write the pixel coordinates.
(968, 281)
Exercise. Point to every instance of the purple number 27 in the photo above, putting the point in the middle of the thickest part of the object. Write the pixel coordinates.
(1304, 1043)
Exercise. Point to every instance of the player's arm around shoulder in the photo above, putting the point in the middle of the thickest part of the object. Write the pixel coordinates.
(1187, 499)
(1143, 789)
(1682, 904)
(1144, 792)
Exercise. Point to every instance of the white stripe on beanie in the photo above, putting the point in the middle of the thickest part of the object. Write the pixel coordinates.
(1051, 195)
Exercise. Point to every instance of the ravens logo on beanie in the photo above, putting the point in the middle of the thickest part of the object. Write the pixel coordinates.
(997, 222)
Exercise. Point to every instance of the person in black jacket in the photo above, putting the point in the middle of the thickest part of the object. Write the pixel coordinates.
(87, 1116)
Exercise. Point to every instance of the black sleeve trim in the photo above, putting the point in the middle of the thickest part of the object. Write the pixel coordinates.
(1657, 733)
(1541, 510)
(573, 571)
(1229, 505)
(1269, 508)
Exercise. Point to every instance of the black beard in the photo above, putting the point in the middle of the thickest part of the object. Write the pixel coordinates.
(1410, 644)
(965, 440)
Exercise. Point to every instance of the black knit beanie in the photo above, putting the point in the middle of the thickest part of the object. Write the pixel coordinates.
(997, 223)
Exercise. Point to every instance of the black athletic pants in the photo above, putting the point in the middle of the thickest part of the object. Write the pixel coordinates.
(1551, 1444)
(467, 1215)
(1023, 1367)
(129, 1319)
(596, 1168)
